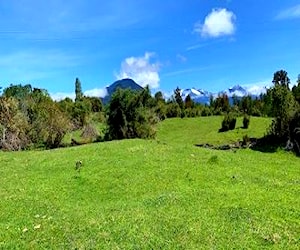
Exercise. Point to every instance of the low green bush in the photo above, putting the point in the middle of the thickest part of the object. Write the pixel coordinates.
(246, 121)
(228, 122)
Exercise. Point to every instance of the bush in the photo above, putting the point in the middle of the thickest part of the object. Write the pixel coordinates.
(173, 110)
(246, 121)
(206, 111)
(90, 133)
(228, 122)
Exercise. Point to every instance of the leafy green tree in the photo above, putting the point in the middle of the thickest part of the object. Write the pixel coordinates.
(96, 104)
(66, 105)
(13, 125)
(57, 125)
(145, 98)
(81, 113)
(129, 116)
(159, 97)
(48, 123)
(78, 90)
(19, 91)
(284, 106)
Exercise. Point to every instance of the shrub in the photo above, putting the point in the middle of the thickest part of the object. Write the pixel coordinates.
(246, 121)
(206, 111)
(89, 133)
(173, 110)
(228, 122)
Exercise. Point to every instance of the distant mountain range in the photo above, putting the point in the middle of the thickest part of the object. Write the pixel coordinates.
(197, 95)
(203, 96)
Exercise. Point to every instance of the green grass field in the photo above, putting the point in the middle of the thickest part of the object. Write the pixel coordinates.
(153, 194)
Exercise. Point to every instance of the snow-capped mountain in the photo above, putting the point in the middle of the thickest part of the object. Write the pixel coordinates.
(194, 93)
(197, 95)
(237, 91)
(203, 96)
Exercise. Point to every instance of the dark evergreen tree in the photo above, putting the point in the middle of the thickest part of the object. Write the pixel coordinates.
(221, 104)
(296, 90)
(178, 98)
(281, 78)
(189, 103)
(78, 90)
(246, 105)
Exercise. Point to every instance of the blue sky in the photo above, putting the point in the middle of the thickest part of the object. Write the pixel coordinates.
(208, 44)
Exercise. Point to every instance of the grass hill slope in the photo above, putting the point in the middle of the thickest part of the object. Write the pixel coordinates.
(139, 194)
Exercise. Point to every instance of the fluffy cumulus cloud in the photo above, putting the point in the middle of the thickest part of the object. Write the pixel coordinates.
(220, 22)
(290, 13)
(141, 69)
(96, 92)
(92, 93)
(258, 88)
(61, 95)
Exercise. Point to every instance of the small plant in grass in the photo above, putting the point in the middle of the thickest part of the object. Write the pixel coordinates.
(246, 121)
(228, 122)
(78, 166)
(213, 160)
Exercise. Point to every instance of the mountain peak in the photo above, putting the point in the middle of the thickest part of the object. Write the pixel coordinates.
(203, 96)
(236, 88)
(123, 84)
(126, 83)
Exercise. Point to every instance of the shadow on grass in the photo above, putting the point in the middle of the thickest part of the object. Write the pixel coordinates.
(262, 145)
(222, 130)
(265, 144)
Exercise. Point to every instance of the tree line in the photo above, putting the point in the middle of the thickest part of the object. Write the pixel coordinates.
(29, 118)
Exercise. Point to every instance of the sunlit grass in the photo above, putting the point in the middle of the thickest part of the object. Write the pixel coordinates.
(164, 193)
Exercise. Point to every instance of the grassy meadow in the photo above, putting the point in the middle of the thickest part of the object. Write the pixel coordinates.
(153, 194)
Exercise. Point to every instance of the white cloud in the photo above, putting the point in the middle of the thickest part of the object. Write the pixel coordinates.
(92, 93)
(220, 22)
(141, 70)
(60, 96)
(258, 88)
(96, 92)
(290, 13)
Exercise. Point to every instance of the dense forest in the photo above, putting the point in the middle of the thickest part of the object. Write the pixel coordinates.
(29, 118)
